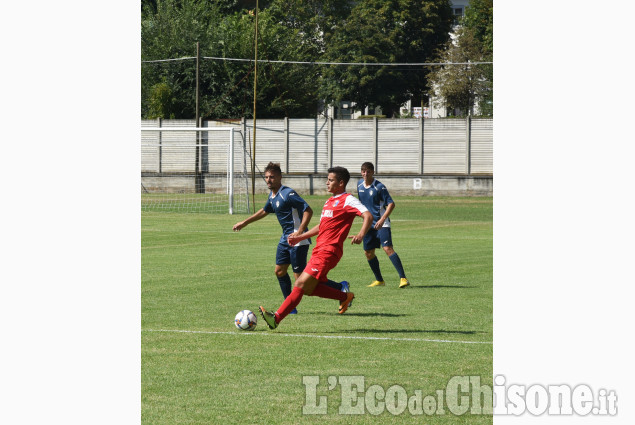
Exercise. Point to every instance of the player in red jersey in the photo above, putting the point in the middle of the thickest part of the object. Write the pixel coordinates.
(336, 220)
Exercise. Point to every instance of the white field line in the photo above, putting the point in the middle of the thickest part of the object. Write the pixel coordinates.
(374, 338)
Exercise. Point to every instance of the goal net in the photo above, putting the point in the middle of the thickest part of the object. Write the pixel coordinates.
(193, 169)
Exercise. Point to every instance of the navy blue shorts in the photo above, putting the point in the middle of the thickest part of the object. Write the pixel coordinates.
(377, 238)
(296, 256)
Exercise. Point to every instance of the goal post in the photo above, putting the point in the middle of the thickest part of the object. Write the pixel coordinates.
(194, 169)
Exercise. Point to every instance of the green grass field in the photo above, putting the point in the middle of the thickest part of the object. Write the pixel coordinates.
(197, 368)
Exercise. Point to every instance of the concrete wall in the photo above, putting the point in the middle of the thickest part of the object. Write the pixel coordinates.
(412, 157)
(302, 146)
(315, 184)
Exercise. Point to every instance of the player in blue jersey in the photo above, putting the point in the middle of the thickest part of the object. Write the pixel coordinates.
(294, 215)
(374, 195)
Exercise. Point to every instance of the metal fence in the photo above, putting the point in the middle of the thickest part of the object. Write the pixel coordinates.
(309, 146)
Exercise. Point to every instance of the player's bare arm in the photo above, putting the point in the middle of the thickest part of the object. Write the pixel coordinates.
(384, 217)
(257, 216)
(292, 240)
(368, 221)
(306, 218)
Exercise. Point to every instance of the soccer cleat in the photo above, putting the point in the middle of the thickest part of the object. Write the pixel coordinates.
(346, 303)
(377, 283)
(403, 282)
(294, 311)
(346, 288)
(269, 317)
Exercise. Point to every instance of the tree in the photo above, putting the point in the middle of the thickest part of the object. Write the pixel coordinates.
(283, 89)
(172, 29)
(479, 18)
(161, 101)
(314, 20)
(384, 31)
(461, 86)
(289, 30)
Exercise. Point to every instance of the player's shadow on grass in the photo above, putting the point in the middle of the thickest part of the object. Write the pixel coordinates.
(398, 331)
(349, 313)
(375, 314)
(441, 286)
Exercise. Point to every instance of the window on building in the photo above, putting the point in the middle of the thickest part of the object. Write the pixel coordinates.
(458, 14)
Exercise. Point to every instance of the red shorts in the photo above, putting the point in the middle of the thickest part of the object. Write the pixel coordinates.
(321, 263)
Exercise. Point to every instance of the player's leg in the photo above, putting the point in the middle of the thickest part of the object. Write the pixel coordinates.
(304, 282)
(283, 259)
(333, 284)
(386, 238)
(324, 291)
(308, 284)
(319, 266)
(371, 241)
(298, 262)
(283, 279)
(343, 286)
(298, 255)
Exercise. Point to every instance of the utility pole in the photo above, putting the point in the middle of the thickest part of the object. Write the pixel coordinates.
(253, 157)
(199, 185)
(198, 56)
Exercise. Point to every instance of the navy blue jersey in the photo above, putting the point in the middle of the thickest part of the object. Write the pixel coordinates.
(375, 197)
(289, 207)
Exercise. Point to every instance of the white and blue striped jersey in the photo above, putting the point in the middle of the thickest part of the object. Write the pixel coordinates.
(289, 207)
(375, 197)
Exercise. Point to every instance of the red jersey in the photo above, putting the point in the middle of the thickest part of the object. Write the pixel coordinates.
(336, 220)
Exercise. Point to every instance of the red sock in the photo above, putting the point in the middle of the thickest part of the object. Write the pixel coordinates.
(323, 291)
(289, 303)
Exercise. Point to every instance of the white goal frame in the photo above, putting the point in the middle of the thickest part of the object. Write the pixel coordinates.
(188, 145)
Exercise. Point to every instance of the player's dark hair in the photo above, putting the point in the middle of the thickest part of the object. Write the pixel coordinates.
(368, 166)
(273, 166)
(341, 174)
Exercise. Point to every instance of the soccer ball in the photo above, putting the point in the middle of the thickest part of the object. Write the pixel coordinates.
(245, 320)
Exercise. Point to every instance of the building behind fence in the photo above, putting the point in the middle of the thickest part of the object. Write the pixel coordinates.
(455, 156)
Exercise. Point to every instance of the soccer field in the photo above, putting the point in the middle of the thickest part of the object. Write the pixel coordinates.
(197, 368)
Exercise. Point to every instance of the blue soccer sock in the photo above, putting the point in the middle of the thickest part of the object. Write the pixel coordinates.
(333, 284)
(397, 263)
(374, 266)
(285, 285)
